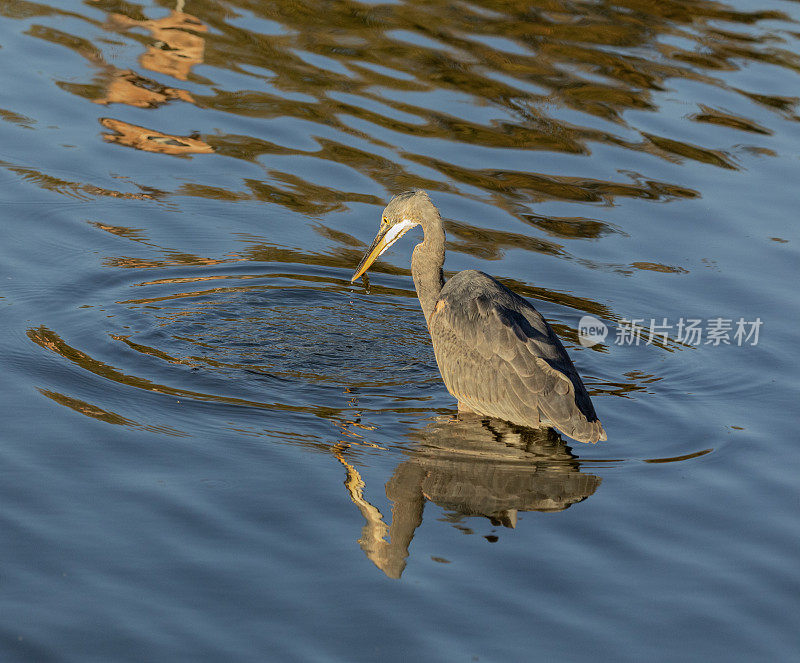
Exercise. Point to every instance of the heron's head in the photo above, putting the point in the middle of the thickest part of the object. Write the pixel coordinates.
(403, 212)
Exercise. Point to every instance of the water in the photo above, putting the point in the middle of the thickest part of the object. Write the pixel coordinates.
(216, 448)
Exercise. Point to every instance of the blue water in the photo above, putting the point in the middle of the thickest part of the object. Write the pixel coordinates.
(214, 447)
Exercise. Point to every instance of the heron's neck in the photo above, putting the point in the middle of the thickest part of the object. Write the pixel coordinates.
(427, 262)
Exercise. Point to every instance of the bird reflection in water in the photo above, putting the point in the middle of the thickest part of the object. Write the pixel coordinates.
(471, 467)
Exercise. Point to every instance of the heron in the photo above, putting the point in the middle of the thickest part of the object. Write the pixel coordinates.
(497, 355)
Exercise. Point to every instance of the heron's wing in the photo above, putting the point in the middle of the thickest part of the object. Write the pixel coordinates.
(498, 356)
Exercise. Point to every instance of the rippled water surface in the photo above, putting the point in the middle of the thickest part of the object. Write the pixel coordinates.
(216, 448)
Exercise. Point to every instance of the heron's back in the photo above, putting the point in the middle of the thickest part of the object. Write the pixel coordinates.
(499, 357)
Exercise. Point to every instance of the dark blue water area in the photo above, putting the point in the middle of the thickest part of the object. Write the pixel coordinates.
(216, 447)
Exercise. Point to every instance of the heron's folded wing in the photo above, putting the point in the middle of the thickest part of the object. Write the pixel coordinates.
(507, 362)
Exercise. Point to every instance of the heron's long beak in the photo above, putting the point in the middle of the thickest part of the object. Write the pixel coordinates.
(377, 247)
(383, 240)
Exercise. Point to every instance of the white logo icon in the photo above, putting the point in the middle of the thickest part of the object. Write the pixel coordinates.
(591, 331)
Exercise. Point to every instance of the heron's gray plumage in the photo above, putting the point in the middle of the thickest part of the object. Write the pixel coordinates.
(499, 357)
(496, 353)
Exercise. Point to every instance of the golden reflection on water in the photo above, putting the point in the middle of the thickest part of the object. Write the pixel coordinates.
(417, 70)
(107, 416)
(50, 340)
(75, 190)
(149, 140)
(126, 87)
(174, 47)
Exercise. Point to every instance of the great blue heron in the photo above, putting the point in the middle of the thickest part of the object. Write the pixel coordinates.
(496, 353)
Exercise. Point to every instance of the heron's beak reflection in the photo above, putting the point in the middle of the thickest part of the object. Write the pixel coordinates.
(386, 236)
